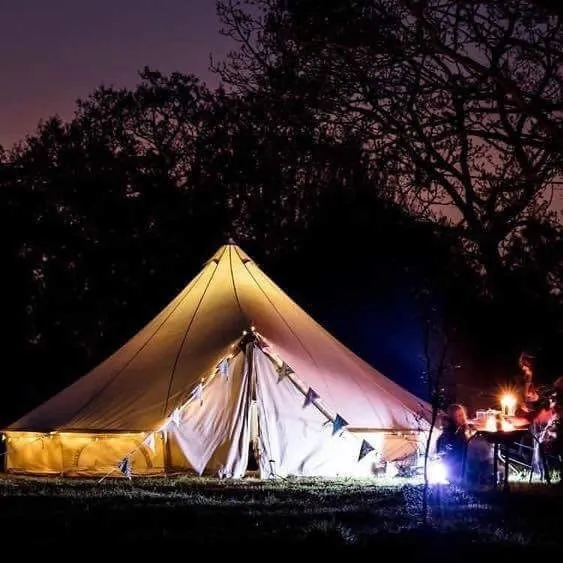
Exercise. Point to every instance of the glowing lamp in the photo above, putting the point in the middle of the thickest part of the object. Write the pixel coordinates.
(508, 404)
(437, 472)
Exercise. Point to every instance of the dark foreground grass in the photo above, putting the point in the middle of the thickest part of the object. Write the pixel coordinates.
(329, 516)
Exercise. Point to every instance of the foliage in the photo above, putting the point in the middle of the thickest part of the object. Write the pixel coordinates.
(457, 104)
(343, 129)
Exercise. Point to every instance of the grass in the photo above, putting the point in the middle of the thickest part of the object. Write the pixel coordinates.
(330, 515)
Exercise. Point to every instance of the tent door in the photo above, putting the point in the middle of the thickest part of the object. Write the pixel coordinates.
(253, 454)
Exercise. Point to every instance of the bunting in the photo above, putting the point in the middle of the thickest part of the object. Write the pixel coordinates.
(284, 371)
(149, 441)
(198, 393)
(165, 425)
(311, 397)
(125, 467)
(224, 368)
(365, 449)
(337, 424)
(175, 416)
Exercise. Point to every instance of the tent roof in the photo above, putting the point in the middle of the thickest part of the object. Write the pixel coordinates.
(138, 386)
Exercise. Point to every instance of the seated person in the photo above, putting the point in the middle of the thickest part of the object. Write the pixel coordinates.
(552, 436)
(452, 442)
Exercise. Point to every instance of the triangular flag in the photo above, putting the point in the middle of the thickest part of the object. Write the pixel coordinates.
(175, 416)
(311, 397)
(165, 425)
(284, 371)
(224, 368)
(125, 467)
(150, 442)
(337, 424)
(365, 449)
(198, 393)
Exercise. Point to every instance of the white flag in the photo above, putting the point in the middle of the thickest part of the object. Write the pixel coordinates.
(198, 392)
(224, 368)
(164, 426)
(150, 442)
(175, 416)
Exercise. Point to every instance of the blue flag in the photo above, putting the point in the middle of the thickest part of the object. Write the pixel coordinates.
(284, 371)
(311, 397)
(337, 424)
(125, 467)
(365, 449)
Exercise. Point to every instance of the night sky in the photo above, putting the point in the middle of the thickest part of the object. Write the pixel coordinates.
(53, 52)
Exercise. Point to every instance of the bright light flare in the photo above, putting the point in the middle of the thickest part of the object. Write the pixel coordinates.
(437, 472)
(508, 404)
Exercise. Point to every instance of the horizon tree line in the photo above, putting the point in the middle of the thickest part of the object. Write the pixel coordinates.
(414, 144)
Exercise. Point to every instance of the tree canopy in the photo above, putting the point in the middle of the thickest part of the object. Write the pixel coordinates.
(364, 152)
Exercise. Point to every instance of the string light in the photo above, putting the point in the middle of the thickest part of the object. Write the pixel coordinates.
(274, 357)
(203, 381)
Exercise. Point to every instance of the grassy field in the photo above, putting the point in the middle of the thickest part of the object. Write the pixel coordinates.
(294, 514)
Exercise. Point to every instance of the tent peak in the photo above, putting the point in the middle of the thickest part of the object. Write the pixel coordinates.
(230, 250)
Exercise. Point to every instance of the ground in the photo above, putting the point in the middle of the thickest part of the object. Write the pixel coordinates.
(324, 515)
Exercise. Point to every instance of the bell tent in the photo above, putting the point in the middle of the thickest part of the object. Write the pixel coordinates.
(231, 370)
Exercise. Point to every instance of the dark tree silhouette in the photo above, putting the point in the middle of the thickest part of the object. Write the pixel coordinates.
(458, 104)
(309, 161)
(110, 214)
(100, 215)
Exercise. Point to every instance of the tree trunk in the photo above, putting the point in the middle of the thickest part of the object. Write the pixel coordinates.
(492, 263)
(426, 455)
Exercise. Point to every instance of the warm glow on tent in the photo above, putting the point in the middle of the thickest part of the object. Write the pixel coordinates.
(179, 395)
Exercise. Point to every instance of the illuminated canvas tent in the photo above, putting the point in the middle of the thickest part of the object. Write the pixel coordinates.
(231, 368)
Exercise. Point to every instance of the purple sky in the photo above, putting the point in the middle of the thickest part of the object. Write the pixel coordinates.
(55, 51)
